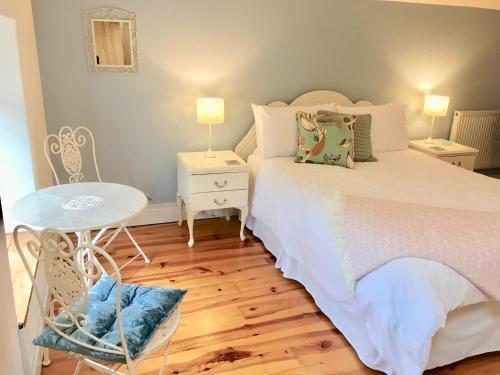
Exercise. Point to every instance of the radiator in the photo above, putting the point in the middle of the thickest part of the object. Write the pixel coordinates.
(481, 130)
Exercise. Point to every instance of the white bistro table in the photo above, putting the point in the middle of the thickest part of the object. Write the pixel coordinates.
(81, 208)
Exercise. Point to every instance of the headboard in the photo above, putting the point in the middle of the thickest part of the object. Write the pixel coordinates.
(249, 142)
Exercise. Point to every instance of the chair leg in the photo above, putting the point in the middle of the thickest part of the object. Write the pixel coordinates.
(131, 369)
(105, 369)
(164, 360)
(78, 368)
(45, 357)
(146, 259)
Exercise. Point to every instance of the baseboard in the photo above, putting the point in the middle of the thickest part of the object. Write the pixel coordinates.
(157, 213)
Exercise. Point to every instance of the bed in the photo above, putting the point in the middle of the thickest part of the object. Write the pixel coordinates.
(406, 316)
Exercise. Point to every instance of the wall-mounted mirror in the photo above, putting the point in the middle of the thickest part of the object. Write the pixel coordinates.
(111, 36)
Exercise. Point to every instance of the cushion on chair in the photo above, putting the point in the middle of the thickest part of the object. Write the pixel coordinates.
(143, 310)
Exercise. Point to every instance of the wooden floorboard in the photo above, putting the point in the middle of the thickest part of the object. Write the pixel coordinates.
(240, 316)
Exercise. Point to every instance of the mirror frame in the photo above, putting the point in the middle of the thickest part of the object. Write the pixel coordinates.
(110, 14)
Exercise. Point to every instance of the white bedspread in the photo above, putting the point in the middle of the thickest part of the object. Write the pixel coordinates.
(403, 303)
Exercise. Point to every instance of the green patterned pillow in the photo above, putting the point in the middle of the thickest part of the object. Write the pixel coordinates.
(328, 142)
(362, 134)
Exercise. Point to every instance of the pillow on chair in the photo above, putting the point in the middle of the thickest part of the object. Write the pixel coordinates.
(143, 310)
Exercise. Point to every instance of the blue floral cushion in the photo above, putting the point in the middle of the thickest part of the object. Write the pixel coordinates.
(143, 310)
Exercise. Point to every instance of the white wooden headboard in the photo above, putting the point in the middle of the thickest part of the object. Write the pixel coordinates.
(249, 142)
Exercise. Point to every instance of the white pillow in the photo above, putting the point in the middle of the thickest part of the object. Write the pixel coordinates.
(389, 132)
(276, 128)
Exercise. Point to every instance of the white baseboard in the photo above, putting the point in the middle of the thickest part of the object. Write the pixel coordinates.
(157, 213)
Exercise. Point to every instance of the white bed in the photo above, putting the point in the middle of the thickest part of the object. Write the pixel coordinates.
(408, 315)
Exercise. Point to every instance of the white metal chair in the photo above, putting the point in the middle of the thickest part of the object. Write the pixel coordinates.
(67, 144)
(75, 318)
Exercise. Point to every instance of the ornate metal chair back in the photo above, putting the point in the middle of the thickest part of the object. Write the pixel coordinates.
(69, 272)
(68, 144)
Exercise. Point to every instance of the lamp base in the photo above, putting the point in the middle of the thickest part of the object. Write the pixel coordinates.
(209, 154)
(429, 140)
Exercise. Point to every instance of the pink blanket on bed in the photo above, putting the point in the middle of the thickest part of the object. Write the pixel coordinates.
(371, 232)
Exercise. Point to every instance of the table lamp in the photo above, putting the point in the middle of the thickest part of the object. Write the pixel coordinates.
(210, 111)
(435, 106)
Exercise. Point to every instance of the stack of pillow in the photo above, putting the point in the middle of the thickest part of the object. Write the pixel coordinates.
(330, 133)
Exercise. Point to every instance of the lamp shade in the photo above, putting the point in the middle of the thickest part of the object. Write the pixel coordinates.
(436, 105)
(210, 111)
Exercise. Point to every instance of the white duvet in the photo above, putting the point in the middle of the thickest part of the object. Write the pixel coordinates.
(401, 305)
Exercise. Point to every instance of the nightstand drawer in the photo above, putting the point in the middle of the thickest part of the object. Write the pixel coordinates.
(463, 161)
(201, 183)
(218, 199)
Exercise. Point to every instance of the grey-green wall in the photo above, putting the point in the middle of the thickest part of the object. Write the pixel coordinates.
(255, 51)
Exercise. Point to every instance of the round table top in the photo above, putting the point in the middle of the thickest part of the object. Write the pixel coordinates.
(80, 207)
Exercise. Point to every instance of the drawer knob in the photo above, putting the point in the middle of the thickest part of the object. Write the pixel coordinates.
(459, 163)
(219, 185)
(220, 203)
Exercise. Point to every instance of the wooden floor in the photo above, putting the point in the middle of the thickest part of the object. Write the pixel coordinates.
(240, 315)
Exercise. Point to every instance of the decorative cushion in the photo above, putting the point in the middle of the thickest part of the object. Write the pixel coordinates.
(389, 132)
(329, 142)
(362, 134)
(276, 128)
(143, 310)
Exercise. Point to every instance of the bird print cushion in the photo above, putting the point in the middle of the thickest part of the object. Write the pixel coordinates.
(327, 142)
(361, 131)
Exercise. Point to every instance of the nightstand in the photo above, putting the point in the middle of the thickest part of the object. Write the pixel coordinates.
(211, 183)
(448, 151)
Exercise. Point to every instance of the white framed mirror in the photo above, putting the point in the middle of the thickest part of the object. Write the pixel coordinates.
(111, 37)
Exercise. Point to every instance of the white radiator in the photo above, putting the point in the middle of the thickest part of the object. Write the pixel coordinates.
(481, 130)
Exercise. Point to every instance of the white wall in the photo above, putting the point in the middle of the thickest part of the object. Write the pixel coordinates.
(22, 117)
(21, 12)
(16, 171)
(10, 353)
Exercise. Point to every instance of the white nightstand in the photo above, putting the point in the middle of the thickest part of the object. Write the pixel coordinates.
(453, 153)
(211, 183)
